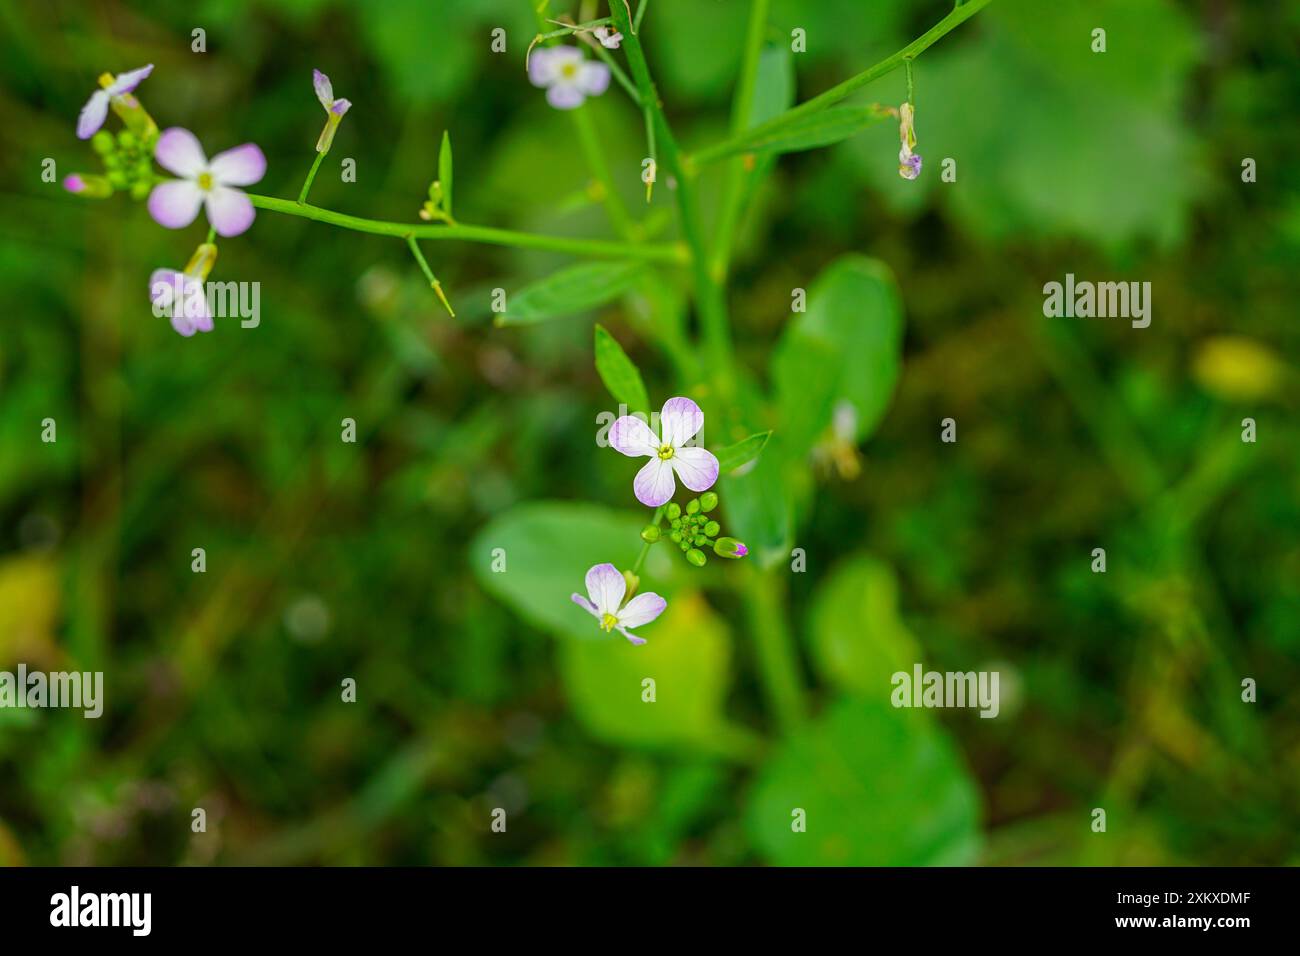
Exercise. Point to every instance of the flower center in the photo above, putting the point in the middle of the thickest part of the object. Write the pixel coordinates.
(607, 622)
(569, 71)
(666, 452)
(205, 181)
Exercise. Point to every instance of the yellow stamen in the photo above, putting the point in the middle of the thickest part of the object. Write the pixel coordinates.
(205, 181)
(607, 622)
(106, 80)
(666, 452)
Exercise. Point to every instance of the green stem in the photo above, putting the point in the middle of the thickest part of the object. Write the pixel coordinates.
(742, 106)
(836, 93)
(708, 293)
(645, 545)
(778, 665)
(434, 284)
(597, 248)
(591, 148)
(311, 176)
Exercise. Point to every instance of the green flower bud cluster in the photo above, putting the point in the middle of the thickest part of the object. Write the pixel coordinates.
(691, 528)
(128, 160)
(435, 209)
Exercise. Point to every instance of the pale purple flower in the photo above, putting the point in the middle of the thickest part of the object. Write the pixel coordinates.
(113, 88)
(569, 78)
(609, 37)
(679, 422)
(181, 296)
(909, 161)
(175, 204)
(325, 93)
(606, 587)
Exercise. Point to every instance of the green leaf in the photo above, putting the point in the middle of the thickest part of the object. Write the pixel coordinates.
(879, 786)
(619, 374)
(576, 289)
(823, 128)
(688, 655)
(845, 352)
(445, 171)
(858, 640)
(773, 83)
(742, 452)
(544, 550)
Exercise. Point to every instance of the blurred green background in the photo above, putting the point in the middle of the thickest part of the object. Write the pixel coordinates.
(328, 560)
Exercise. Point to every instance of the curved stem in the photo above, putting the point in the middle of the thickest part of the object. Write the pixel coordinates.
(311, 178)
(956, 18)
(597, 248)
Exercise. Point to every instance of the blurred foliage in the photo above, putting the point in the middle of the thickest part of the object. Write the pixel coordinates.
(479, 689)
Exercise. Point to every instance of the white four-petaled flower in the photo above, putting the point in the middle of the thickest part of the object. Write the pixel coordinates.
(569, 78)
(95, 111)
(606, 587)
(175, 203)
(679, 422)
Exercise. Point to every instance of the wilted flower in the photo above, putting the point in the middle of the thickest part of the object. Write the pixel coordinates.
(334, 109)
(606, 587)
(609, 37)
(113, 89)
(181, 295)
(680, 421)
(569, 78)
(175, 203)
(909, 162)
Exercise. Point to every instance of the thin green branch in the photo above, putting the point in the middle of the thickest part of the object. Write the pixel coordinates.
(596, 248)
(956, 18)
(434, 284)
(311, 177)
(708, 294)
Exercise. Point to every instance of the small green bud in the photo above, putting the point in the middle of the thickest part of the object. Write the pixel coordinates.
(696, 557)
(712, 529)
(650, 533)
(685, 546)
(126, 139)
(140, 191)
(675, 536)
(699, 539)
(730, 548)
(674, 510)
(118, 179)
(102, 142)
(708, 501)
(693, 506)
(677, 522)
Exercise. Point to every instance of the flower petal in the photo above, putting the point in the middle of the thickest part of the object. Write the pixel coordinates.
(324, 88)
(340, 107)
(631, 637)
(565, 95)
(241, 166)
(593, 77)
(542, 67)
(680, 421)
(642, 609)
(606, 587)
(583, 603)
(654, 483)
(162, 288)
(92, 115)
(696, 467)
(175, 203)
(230, 211)
(126, 82)
(178, 151)
(632, 437)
